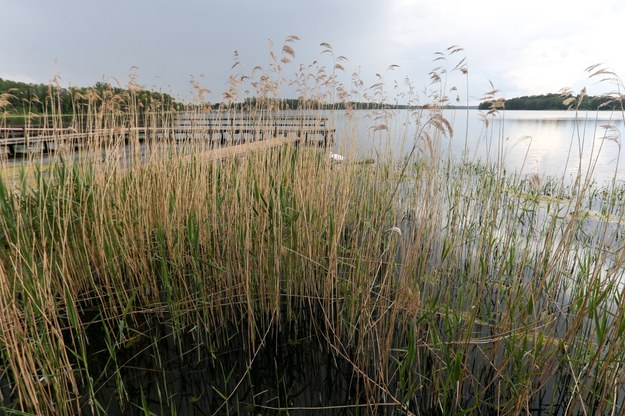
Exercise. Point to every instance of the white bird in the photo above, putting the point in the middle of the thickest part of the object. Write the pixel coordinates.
(335, 157)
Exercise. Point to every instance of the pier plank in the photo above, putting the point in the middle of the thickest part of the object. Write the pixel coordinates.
(220, 131)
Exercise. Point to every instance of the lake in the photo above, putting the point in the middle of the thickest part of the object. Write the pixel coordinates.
(546, 143)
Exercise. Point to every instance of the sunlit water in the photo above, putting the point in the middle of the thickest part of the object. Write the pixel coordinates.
(545, 143)
(556, 144)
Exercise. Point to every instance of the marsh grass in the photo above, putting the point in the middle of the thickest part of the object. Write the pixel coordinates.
(430, 286)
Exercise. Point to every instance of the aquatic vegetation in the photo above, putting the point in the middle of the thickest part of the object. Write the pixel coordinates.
(166, 281)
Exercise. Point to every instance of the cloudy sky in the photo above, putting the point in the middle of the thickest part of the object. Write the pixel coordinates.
(523, 47)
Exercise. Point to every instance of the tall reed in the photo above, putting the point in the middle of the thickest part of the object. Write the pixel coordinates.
(446, 286)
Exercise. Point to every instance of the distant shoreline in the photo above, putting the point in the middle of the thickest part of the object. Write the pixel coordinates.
(556, 101)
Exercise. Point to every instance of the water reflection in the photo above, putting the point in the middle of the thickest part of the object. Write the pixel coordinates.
(547, 143)
(288, 372)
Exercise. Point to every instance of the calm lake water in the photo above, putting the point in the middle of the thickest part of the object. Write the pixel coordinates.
(547, 143)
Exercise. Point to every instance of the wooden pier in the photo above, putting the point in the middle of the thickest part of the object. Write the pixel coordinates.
(222, 131)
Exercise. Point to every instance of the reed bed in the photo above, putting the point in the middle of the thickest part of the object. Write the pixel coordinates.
(429, 285)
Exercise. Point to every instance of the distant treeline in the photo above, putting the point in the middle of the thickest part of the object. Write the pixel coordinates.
(21, 98)
(305, 104)
(558, 102)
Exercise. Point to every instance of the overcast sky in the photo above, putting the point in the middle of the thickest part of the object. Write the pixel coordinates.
(524, 47)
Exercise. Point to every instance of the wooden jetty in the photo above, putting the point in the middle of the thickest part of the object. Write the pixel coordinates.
(247, 148)
(217, 131)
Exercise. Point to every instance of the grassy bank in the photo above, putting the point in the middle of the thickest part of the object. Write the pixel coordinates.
(428, 286)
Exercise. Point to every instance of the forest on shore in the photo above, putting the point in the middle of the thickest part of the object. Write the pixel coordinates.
(557, 101)
(19, 98)
(20, 101)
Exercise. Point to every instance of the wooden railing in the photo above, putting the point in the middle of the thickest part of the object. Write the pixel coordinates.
(216, 131)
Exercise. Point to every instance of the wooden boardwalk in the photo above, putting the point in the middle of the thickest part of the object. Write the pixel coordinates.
(13, 174)
(246, 148)
(219, 132)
